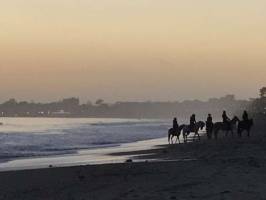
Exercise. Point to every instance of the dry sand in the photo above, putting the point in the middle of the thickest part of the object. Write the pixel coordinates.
(224, 169)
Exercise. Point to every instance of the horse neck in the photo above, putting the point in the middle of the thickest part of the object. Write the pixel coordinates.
(234, 120)
(199, 123)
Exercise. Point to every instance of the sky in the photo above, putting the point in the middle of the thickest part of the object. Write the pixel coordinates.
(131, 50)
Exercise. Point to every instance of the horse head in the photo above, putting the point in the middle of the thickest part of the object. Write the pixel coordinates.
(180, 128)
(201, 125)
(235, 120)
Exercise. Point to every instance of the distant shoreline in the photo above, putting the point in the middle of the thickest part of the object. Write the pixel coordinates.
(81, 117)
(72, 107)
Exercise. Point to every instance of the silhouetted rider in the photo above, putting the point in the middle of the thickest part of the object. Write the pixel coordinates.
(245, 116)
(209, 119)
(175, 124)
(192, 122)
(226, 119)
(209, 126)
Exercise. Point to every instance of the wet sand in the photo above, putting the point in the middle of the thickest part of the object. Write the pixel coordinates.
(106, 155)
(224, 169)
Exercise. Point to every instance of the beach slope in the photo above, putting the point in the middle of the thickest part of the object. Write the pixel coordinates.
(223, 169)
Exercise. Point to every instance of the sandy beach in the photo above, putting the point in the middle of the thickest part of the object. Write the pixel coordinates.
(224, 169)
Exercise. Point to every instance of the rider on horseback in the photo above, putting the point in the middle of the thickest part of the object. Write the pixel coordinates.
(245, 125)
(226, 120)
(245, 116)
(209, 119)
(192, 124)
(175, 124)
(209, 126)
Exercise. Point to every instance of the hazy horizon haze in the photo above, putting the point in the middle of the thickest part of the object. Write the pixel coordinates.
(131, 50)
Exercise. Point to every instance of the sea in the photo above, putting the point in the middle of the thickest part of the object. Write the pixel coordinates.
(43, 137)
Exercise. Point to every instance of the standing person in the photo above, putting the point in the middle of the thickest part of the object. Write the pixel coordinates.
(245, 116)
(225, 119)
(192, 122)
(209, 126)
(175, 124)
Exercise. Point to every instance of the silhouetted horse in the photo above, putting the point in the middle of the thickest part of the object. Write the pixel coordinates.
(174, 133)
(187, 130)
(209, 128)
(220, 126)
(244, 126)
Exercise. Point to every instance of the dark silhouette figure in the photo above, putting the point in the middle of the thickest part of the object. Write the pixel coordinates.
(226, 120)
(187, 130)
(263, 92)
(175, 124)
(192, 123)
(245, 116)
(209, 126)
(245, 125)
(225, 117)
(219, 126)
(174, 133)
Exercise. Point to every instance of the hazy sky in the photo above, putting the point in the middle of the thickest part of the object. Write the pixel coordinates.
(131, 49)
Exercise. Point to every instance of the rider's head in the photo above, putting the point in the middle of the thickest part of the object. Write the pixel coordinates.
(224, 111)
(175, 119)
(209, 115)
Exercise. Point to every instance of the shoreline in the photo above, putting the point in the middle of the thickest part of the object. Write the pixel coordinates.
(94, 156)
(229, 168)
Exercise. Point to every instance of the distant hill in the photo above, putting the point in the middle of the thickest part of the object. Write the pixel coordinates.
(71, 107)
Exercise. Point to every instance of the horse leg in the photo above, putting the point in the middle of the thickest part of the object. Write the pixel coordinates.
(196, 134)
(216, 134)
(226, 133)
(170, 136)
(208, 135)
(176, 139)
(232, 133)
(240, 133)
(185, 137)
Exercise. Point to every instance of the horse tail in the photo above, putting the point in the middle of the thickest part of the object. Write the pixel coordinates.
(251, 122)
(169, 135)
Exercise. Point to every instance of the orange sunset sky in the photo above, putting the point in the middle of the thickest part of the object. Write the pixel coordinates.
(131, 50)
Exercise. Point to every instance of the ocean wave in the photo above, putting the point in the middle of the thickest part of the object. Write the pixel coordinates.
(65, 138)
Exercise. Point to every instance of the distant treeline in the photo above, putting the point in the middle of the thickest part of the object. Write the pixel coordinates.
(71, 107)
(257, 109)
